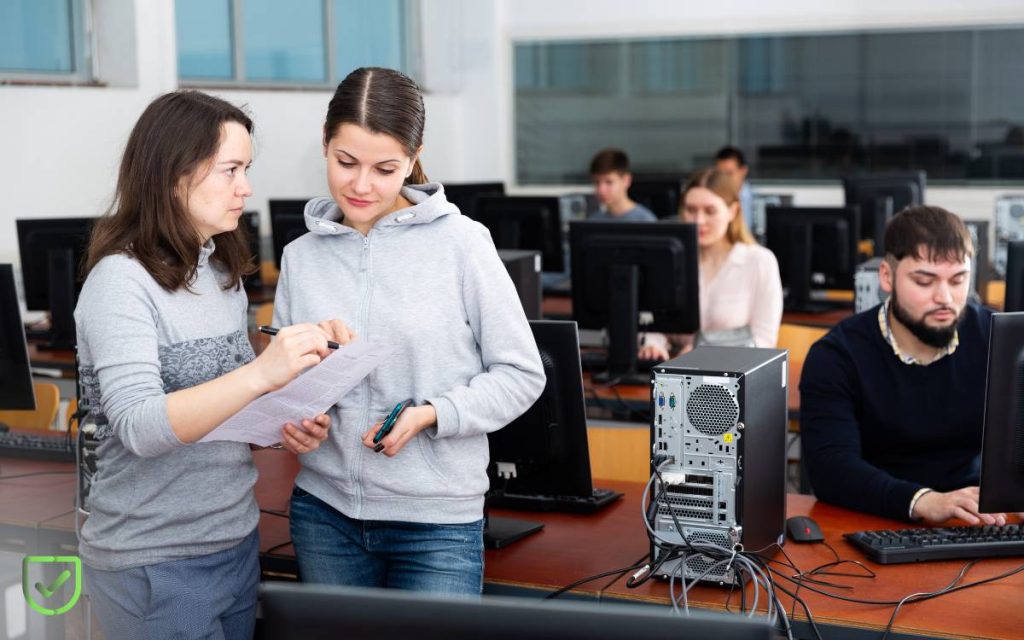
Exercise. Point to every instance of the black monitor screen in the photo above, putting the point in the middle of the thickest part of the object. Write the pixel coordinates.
(15, 376)
(546, 447)
(816, 248)
(464, 196)
(640, 276)
(279, 206)
(38, 238)
(525, 222)
(879, 196)
(1002, 453)
(315, 612)
(285, 227)
(660, 195)
(250, 223)
(1014, 300)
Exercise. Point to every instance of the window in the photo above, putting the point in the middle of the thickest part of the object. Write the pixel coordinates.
(811, 106)
(296, 43)
(42, 40)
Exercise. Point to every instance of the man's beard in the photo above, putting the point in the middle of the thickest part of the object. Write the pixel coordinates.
(938, 337)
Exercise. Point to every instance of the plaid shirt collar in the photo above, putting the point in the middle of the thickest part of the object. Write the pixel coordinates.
(886, 328)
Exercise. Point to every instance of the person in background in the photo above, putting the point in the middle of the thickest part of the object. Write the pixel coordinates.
(389, 254)
(730, 161)
(170, 548)
(740, 284)
(609, 172)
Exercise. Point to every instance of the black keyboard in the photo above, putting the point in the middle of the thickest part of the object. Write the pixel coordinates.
(949, 543)
(18, 444)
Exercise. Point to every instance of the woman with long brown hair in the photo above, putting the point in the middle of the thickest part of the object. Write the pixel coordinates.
(740, 286)
(170, 545)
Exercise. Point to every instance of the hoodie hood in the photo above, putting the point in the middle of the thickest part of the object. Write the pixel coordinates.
(324, 217)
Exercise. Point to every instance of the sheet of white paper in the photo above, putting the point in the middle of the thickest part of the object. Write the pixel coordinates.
(312, 393)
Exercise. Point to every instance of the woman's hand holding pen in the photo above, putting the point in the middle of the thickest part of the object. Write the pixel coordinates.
(308, 437)
(293, 350)
(409, 423)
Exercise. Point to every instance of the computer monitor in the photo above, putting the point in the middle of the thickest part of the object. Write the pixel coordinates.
(760, 203)
(16, 391)
(52, 254)
(524, 269)
(816, 248)
(250, 222)
(879, 197)
(465, 195)
(314, 612)
(981, 265)
(632, 277)
(541, 460)
(287, 222)
(1002, 449)
(1014, 300)
(660, 195)
(530, 223)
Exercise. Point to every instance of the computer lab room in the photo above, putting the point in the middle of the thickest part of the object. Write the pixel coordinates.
(460, 319)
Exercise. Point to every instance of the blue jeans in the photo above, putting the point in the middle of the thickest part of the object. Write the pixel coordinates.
(211, 597)
(334, 549)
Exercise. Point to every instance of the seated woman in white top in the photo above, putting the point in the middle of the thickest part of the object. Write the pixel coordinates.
(739, 279)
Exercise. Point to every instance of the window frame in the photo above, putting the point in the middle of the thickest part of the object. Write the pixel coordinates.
(410, 32)
(82, 47)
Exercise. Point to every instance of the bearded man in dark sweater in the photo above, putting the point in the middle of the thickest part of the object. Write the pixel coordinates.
(892, 399)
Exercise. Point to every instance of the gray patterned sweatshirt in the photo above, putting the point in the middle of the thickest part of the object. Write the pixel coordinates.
(427, 281)
(155, 498)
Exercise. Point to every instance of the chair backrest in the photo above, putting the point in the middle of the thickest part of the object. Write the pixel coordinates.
(47, 403)
(798, 339)
(265, 314)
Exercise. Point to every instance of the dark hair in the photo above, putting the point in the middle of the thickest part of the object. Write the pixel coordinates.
(720, 184)
(731, 153)
(148, 219)
(381, 101)
(942, 234)
(609, 160)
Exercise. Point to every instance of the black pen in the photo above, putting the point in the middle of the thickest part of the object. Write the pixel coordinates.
(272, 331)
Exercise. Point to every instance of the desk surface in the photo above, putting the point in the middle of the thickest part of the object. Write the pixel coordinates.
(572, 547)
(561, 307)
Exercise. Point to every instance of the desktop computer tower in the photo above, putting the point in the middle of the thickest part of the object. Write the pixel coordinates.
(718, 429)
(524, 269)
(866, 291)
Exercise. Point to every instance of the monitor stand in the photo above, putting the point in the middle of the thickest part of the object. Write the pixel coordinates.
(599, 499)
(500, 532)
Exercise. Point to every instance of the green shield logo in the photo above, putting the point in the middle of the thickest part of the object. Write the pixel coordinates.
(69, 567)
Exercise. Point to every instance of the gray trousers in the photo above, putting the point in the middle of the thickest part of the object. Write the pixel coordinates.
(212, 596)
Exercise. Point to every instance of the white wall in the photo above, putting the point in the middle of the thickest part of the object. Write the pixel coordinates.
(61, 145)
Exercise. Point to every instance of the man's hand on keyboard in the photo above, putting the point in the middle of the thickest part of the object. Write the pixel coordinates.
(935, 507)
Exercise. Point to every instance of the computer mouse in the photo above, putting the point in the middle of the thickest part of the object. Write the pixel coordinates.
(803, 529)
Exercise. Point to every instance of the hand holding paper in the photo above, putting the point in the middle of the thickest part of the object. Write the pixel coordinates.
(312, 393)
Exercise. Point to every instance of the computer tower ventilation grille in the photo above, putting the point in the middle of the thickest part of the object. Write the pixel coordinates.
(712, 410)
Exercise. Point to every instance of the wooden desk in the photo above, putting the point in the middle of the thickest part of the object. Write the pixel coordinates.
(561, 307)
(573, 547)
(63, 359)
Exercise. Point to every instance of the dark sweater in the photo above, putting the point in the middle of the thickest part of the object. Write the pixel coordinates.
(875, 430)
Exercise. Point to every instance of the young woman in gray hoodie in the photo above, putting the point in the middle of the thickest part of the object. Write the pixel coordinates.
(396, 262)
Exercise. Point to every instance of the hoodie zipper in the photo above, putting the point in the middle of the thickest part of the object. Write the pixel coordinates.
(364, 312)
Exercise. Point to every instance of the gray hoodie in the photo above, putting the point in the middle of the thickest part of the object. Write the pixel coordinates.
(427, 281)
